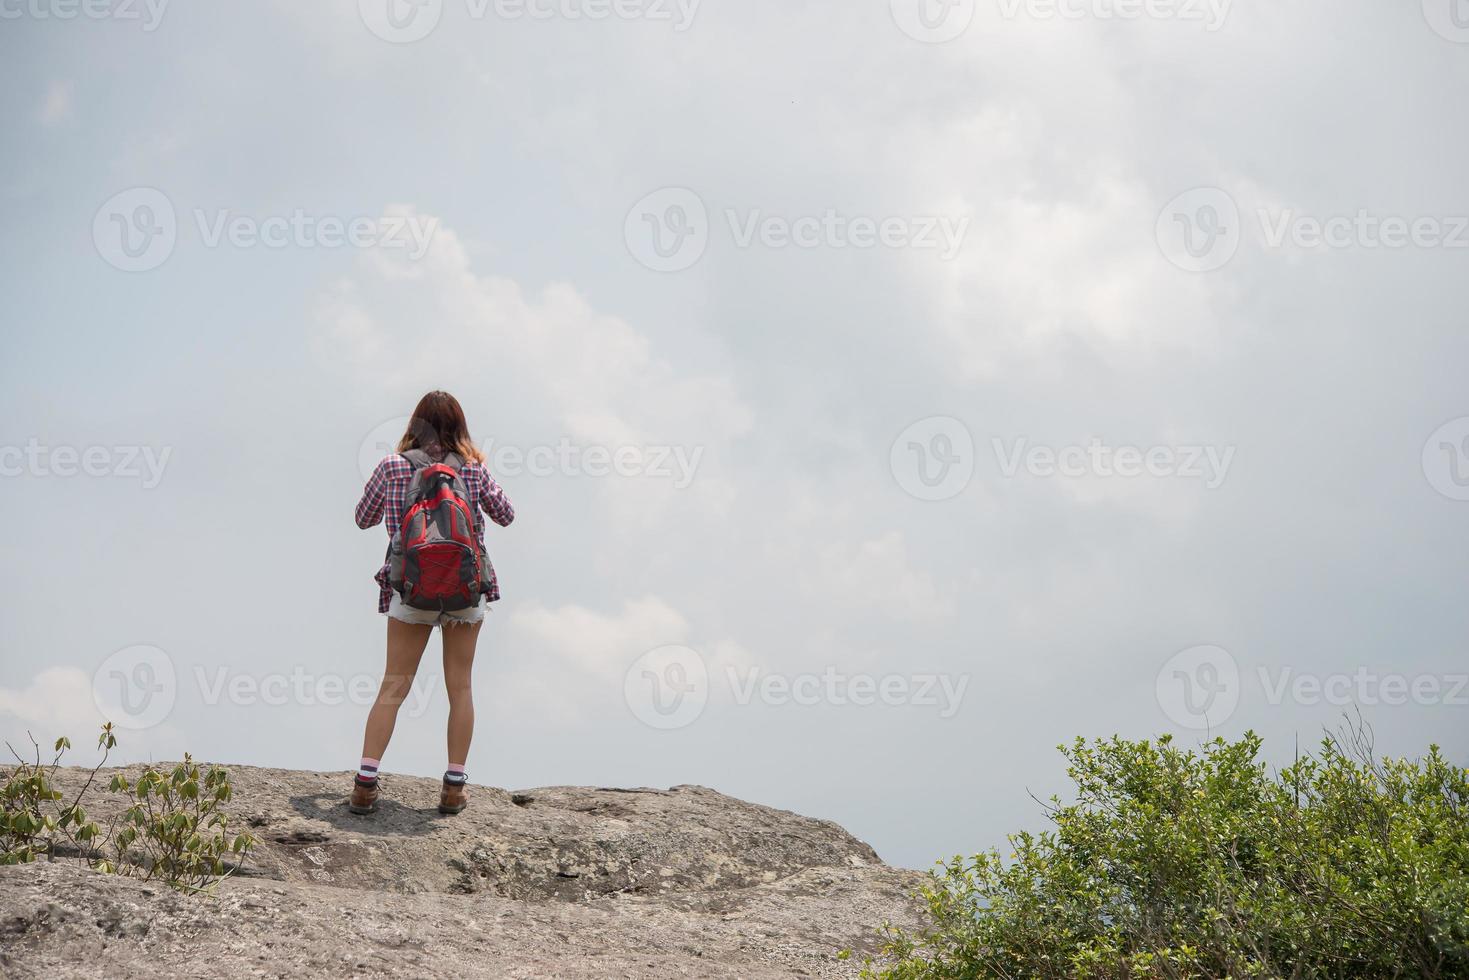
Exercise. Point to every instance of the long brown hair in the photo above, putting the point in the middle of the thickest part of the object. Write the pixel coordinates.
(438, 426)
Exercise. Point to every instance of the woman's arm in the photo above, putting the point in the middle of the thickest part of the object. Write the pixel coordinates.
(494, 502)
(374, 496)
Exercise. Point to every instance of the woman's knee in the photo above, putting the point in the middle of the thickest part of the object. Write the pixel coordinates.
(394, 688)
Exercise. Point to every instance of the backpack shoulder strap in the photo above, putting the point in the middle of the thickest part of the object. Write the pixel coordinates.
(454, 460)
(417, 458)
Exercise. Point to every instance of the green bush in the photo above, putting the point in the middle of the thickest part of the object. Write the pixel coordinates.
(35, 820)
(1200, 864)
(172, 826)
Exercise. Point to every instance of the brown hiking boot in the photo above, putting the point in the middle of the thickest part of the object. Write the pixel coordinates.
(364, 795)
(453, 797)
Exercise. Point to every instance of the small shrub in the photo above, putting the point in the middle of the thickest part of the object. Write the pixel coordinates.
(173, 826)
(35, 820)
(1182, 864)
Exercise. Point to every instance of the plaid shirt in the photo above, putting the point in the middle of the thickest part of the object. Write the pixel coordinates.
(383, 498)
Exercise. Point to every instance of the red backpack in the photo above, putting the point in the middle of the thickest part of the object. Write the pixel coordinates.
(434, 560)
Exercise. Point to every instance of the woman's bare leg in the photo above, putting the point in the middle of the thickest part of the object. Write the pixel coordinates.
(405, 648)
(459, 643)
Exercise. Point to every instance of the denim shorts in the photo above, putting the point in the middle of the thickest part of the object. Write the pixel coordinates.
(434, 617)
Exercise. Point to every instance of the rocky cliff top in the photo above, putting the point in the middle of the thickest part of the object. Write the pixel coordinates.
(561, 881)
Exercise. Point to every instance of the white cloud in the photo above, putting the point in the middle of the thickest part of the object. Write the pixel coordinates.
(1045, 270)
(58, 701)
(594, 375)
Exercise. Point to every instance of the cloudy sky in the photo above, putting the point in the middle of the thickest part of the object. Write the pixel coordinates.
(888, 391)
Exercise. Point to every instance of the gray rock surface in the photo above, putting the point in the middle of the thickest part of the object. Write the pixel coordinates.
(554, 882)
